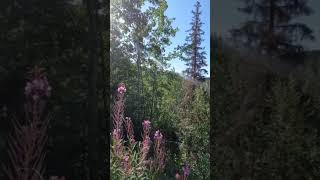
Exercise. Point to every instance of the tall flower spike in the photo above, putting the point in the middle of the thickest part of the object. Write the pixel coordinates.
(178, 176)
(118, 110)
(186, 171)
(159, 151)
(126, 164)
(119, 107)
(28, 140)
(130, 132)
(146, 126)
(146, 139)
(118, 148)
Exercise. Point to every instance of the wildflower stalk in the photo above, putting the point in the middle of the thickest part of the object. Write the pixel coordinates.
(28, 140)
(130, 132)
(118, 121)
(185, 175)
(146, 141)
(128, 161)
(159, 149)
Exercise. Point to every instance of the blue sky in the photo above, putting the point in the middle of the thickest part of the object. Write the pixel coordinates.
(181, 11)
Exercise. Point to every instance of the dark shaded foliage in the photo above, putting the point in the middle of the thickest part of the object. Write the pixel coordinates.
(263, 118)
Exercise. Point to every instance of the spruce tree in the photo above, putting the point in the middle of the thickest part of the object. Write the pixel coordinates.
(271, 27)
(192, 52)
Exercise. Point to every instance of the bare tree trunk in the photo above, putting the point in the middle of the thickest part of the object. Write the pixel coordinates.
(105, 120)
(271, 43)
(93, 130)
(139, 78)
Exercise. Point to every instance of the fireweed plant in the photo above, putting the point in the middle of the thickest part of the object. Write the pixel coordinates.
(28, 140)
(185, 174)
(131, 159)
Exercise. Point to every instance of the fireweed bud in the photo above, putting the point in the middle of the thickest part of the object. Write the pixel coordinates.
(116, 135)
(37, 88)
(177, 176)
(121, 88)
(146, 125)
(125, 163)
(186, 170)
(158, 136)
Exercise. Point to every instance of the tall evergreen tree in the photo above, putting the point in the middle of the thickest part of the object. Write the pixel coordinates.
(271, 28)
(192, 52)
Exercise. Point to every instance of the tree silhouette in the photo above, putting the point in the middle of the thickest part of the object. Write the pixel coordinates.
(272, 29)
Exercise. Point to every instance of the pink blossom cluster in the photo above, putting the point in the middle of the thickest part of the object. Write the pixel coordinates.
(158, 136)
(146, 126)
(121, 88)
(130, 132)
(37, 87)
(126, 164)
(186, 173)
(186, 170)
(146, 139)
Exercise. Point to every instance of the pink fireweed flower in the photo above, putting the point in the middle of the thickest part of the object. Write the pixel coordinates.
(146, 126)
(178, 176)
(118, 110)
(186, 170)
(130, 132)
(117, 140)
(116, 134)
(38, 86)
(146, 139)
(158, 135)
(121, 88)
(159, 151)
(145, 147)
(126, 158)
(126, 164)
(146, 144)
(29, 139)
